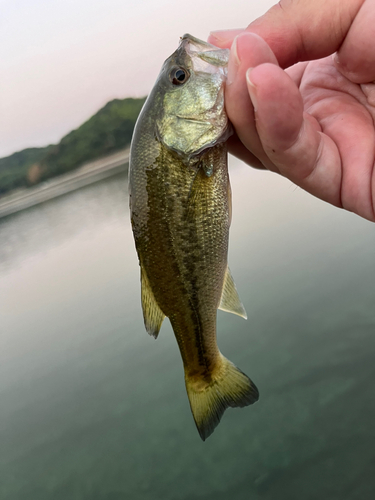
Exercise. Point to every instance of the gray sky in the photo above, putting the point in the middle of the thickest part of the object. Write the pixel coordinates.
(61, 60)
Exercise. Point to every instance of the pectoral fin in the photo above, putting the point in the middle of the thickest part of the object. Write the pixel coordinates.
(152, 314)
(230, 301)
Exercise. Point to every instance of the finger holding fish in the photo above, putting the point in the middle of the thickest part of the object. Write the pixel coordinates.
(248, 51)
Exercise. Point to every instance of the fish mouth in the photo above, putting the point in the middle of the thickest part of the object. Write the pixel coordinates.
(204, 50)
(197, 42)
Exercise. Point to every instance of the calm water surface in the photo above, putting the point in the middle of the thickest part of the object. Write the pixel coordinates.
(92, 408)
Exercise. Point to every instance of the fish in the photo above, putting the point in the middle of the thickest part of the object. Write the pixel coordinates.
(180, 206)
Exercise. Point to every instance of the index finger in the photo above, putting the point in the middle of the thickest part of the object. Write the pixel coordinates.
(299, 30)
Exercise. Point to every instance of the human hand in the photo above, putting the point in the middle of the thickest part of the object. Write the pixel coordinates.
(312, 122)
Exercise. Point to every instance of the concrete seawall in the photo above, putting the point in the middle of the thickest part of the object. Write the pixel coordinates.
(83, 176)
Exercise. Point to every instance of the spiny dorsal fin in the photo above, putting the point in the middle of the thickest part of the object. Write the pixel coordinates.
(152, 314)
(230, 301)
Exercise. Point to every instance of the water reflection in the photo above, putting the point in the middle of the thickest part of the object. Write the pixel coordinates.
(50, 224)
(92, 408)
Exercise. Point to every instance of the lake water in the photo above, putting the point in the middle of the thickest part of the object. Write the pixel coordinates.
(92, 408)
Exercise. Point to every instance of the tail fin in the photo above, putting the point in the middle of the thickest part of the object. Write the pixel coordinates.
(208, 401)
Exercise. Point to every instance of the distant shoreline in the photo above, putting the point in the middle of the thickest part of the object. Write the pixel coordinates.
(58, 186)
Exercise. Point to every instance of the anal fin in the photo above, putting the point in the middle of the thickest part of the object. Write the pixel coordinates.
(152, 314)
(230, 301)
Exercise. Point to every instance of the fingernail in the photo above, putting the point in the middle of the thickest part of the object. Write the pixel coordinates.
(336, 59)
(234, 63)
(252, 89)
(340, 67)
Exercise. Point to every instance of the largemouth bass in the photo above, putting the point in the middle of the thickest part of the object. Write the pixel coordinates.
(180, 202)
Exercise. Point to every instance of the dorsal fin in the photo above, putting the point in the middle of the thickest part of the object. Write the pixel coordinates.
(230, 301)
(152, 314)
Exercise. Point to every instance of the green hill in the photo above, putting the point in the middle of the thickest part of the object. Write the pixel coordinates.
(109, 130)
(14, 168)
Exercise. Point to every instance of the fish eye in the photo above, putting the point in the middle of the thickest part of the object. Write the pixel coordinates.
(178, 76)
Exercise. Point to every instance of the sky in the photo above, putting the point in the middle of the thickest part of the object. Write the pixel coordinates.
(62, 60)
